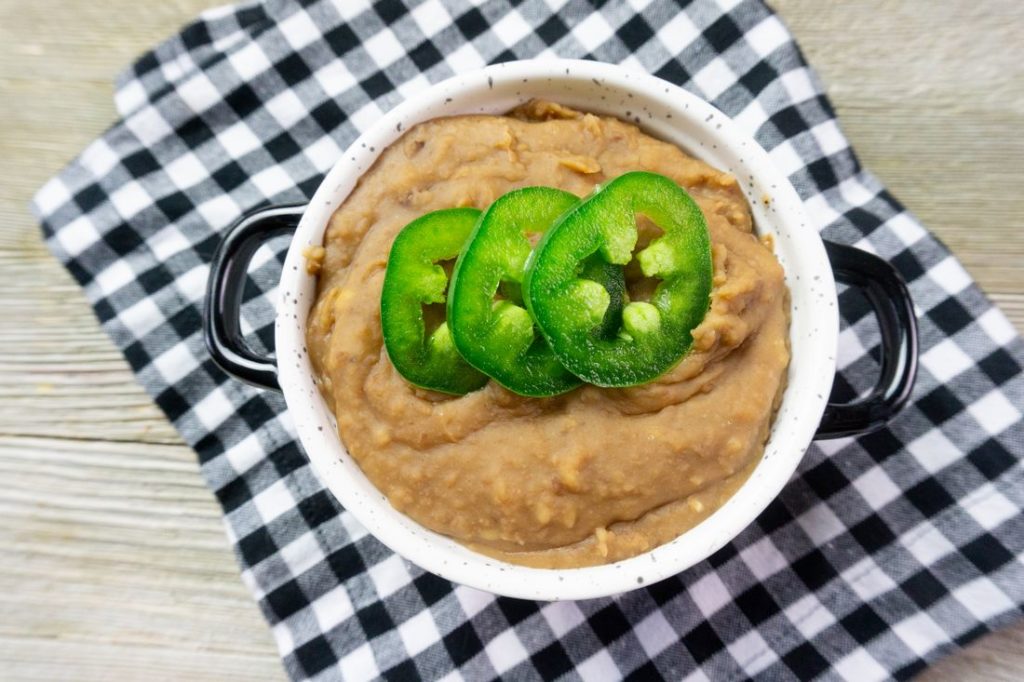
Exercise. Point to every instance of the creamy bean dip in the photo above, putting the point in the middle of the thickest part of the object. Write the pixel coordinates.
(589, 477)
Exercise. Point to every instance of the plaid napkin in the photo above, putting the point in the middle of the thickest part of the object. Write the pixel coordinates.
(881, 554)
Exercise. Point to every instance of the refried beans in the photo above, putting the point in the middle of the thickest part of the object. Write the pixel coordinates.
(589, 477)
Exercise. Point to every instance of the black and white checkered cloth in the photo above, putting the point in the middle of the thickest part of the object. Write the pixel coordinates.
(881, 554)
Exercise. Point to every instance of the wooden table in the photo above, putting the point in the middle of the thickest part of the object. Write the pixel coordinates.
(113, 560)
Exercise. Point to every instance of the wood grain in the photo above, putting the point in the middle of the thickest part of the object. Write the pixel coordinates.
(113, 560)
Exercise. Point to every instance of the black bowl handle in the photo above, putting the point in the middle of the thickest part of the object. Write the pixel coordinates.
(222, 327)
(888, 295)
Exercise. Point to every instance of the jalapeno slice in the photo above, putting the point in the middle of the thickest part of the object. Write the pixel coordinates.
(413, 279)
(498, 337)
(570, 310)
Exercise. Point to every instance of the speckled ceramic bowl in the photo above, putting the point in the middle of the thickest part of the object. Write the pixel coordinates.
(661, 109)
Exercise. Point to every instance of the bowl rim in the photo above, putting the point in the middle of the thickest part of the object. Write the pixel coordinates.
(490, 90)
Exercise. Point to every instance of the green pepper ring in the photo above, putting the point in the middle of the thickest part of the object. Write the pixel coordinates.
(412, 279)
(655, 335)
(500, 338)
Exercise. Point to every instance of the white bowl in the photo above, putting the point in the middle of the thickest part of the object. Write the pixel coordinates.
(666, 112)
